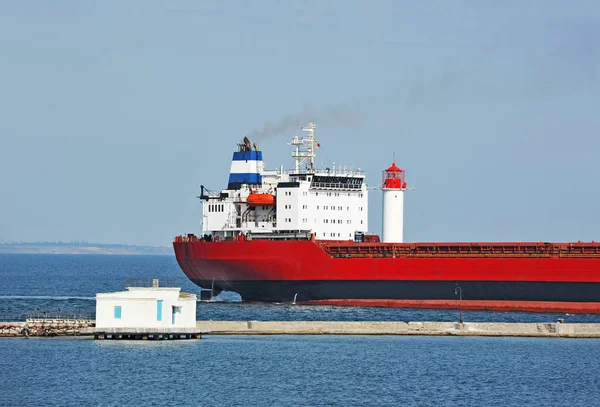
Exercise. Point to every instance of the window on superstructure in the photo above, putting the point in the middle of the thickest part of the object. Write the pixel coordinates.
(361, 222)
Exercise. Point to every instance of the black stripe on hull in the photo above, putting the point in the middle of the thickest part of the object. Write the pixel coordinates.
(285, 291)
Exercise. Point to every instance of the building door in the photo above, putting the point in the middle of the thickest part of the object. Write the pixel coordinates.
(175, 315)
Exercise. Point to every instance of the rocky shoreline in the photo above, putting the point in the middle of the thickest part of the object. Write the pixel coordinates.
(51, 327)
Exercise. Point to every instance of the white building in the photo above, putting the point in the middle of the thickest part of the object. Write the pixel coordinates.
(146, 307)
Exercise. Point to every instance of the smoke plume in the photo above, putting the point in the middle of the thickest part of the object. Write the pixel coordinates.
(340, 116)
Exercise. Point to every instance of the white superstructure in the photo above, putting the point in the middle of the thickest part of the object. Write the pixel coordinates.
(329, 204)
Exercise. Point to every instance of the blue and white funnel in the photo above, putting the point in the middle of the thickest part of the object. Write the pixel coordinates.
(246, 166)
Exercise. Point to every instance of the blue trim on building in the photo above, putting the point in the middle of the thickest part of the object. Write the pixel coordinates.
(247, 156)
(159, 307)
(245, 178)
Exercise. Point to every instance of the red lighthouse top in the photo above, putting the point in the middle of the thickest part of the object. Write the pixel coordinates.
(393, 178)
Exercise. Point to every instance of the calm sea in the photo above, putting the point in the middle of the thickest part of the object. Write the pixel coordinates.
(68, 283)
(272, 371)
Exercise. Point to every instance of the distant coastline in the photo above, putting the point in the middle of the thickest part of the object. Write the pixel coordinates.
(82, 248)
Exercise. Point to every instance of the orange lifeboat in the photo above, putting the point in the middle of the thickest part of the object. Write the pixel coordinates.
(257, 199)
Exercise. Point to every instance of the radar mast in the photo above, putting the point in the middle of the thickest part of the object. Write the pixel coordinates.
(305, 149)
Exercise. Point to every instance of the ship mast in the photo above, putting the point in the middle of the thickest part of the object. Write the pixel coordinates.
(305, 148)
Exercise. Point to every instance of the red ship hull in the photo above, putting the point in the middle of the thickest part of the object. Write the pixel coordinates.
(496, 276)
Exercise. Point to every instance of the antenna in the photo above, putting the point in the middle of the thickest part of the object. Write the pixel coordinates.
(307, 152)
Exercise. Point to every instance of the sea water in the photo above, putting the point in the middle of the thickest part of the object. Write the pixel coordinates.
(69, 283)
(273, 370)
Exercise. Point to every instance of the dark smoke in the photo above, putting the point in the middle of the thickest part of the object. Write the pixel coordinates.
(340, 116)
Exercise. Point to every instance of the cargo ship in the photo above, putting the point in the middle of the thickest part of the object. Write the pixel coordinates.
(301, 236)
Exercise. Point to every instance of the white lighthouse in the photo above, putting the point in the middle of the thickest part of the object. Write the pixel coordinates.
(393, 187)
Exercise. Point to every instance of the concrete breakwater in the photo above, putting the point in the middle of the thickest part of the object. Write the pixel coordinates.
(41, 327)
(400, 328)
(550, 330)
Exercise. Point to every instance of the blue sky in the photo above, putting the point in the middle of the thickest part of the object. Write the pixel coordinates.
(113, 113)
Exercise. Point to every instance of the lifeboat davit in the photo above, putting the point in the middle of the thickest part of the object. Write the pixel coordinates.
(257, 199)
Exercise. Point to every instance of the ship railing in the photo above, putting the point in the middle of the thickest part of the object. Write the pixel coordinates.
(466, 250)
(341, 172)
(283, 235)
(190, 237)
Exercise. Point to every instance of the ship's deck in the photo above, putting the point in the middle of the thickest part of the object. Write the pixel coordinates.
(462, 249)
